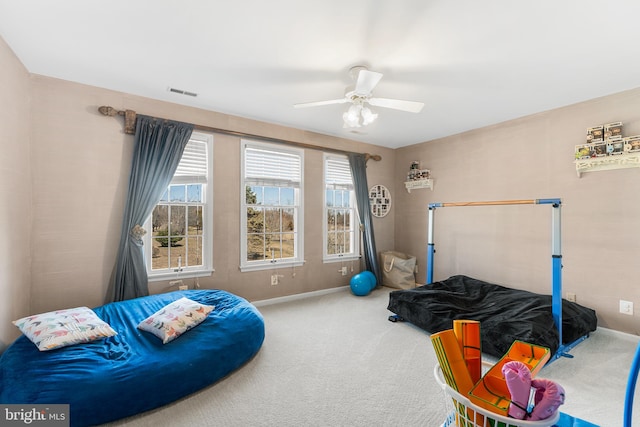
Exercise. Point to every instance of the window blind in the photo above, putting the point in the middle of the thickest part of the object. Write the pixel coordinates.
(265, 167)
(338, 173)
(193, 164)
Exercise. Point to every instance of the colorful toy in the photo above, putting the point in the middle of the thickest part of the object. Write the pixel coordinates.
(468, 335)
(451, 360)
(491, 392)
(547, 398)
(518, 378)
(505, 392)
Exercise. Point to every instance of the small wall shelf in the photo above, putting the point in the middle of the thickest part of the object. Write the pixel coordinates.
(620, 161)
(418, 183)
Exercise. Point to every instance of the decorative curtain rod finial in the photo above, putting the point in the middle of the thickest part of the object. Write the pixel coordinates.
(109, 111)
(129, 117)
(375, 157)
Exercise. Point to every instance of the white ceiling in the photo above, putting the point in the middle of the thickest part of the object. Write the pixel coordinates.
(473, 63)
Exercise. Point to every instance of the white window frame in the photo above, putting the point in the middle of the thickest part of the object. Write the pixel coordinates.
(355, 232)
(298, 259)
(207, 224)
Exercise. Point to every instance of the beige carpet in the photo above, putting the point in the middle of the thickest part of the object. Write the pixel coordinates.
(335, 360)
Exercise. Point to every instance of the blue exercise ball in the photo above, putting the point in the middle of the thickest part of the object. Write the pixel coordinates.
(372, 278)
(360, 285)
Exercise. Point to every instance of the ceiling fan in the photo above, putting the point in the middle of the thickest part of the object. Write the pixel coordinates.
(359, 95)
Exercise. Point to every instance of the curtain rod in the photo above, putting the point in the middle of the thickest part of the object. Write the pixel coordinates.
(130, 128)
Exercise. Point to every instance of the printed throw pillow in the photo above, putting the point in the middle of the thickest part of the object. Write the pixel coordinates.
(175, 319)
(62, 328)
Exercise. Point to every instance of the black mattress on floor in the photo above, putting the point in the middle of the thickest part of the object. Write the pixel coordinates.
(505, 314)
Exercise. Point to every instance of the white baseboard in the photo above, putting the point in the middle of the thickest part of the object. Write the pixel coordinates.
(616, 332)
(295, 297)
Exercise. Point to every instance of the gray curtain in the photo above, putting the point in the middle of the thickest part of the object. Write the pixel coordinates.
(157, 151)
(359, 173)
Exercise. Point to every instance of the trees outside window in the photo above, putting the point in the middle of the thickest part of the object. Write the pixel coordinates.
(179, 230)
(271, 206)
(340, 219)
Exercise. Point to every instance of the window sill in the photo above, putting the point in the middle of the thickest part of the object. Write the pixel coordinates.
(271, 266)
(344, 258)
(183, 275)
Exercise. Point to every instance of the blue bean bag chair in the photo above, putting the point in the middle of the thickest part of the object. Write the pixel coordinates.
(134, 371)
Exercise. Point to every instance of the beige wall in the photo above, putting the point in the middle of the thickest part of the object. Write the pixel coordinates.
(531, 158)
(15, 193)
(81, 164)
(65, 168)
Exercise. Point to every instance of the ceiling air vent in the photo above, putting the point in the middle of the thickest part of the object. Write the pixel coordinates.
(182, 92)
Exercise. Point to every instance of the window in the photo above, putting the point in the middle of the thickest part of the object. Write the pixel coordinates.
(271, 206)
(179, 230)
(340, 229)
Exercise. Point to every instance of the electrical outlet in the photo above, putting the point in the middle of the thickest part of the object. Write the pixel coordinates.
(274, 279)
(179, 284)
(183, 287)
(343, 270)
(626, 307)
(571, 297)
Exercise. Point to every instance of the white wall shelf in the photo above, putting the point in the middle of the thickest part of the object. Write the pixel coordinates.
(418, 183)
(619, 161)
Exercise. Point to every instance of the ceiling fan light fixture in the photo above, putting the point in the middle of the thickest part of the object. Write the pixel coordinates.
(351, 117)
(368, 116)
(357, 116)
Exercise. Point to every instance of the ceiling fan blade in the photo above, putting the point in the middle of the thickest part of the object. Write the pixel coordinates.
(367, 80)
(319, 103)
(397, 104)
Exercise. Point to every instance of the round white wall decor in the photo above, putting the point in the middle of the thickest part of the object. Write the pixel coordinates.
(380, 200)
